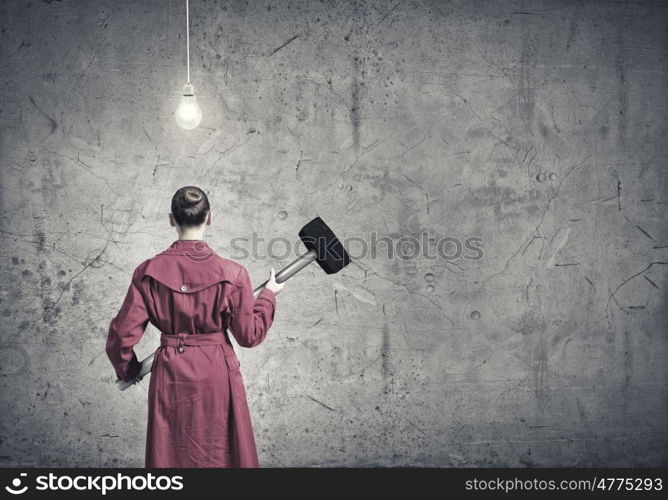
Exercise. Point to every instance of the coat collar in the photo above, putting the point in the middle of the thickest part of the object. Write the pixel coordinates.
(192, 248)
(200, 268)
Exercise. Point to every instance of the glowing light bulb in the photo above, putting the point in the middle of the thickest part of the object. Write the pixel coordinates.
(188, 114)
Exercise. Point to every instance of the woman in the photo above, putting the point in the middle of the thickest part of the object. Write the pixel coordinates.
(197, 410)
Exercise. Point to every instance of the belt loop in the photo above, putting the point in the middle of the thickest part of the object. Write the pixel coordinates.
(181, 341)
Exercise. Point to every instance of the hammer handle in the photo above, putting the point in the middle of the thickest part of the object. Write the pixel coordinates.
(283, 275)
(290, 270)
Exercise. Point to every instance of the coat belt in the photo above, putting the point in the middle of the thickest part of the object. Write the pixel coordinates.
(179, 340)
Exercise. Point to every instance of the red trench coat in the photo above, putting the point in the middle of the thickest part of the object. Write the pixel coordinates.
(198, 415)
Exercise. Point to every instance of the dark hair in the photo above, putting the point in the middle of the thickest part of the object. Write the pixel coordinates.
(190, 206)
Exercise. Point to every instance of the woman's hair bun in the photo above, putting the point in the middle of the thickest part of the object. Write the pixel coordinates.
(192, 197)
(190, 206)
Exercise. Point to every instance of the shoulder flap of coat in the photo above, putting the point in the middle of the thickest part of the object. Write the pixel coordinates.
(187, 276)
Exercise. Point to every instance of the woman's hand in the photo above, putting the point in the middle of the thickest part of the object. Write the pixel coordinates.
(272, 285)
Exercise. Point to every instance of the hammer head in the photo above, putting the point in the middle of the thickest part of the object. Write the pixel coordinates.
(331, 255)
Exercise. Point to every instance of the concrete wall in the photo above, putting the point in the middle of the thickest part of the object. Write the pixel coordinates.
(539, 127)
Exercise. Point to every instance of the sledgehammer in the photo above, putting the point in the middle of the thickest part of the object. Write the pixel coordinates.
(322, 246)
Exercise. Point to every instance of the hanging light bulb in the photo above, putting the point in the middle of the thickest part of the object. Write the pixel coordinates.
(188, 114)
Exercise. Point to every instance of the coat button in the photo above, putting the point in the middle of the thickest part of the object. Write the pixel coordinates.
(184, 288)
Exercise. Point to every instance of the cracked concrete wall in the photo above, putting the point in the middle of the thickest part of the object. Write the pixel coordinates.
(538, 127)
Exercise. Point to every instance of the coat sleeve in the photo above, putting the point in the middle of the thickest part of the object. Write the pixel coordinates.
(126, 330)
(250, 318)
